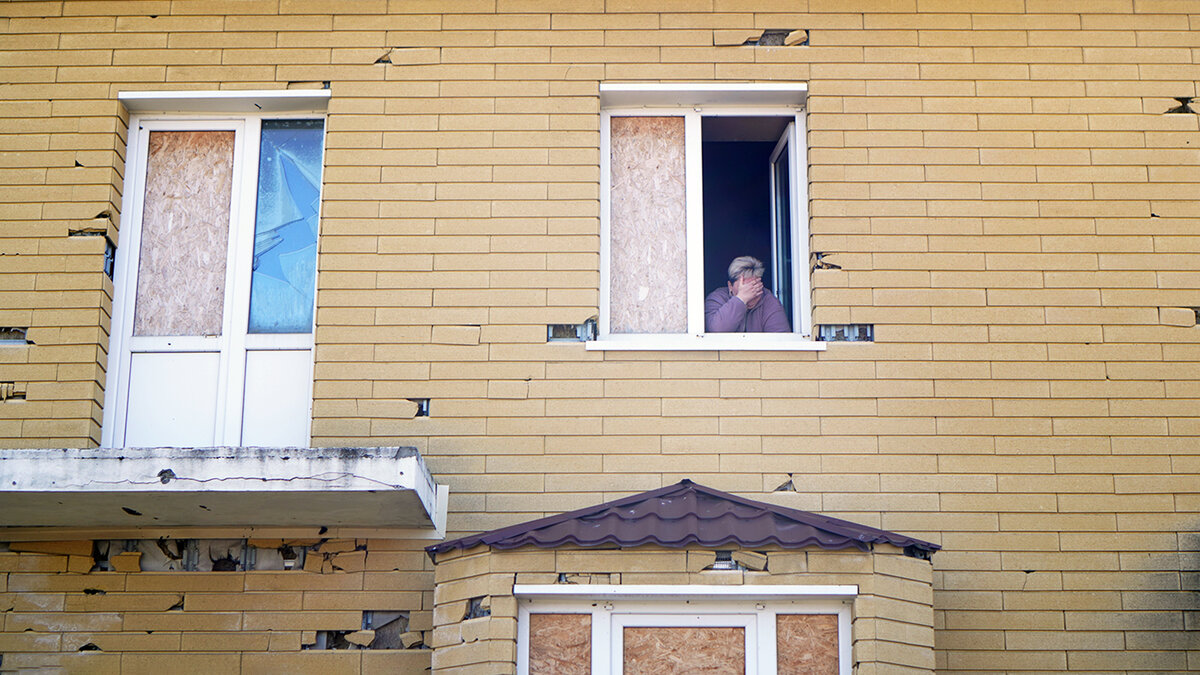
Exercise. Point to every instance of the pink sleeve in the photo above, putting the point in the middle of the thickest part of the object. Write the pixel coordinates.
(723, 317)
(777, 321)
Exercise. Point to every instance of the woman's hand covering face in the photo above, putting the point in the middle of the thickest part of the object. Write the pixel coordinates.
(748, 289)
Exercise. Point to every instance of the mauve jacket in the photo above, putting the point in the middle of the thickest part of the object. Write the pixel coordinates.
(725, 313)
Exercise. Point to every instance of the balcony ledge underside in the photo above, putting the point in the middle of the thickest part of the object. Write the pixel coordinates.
(227, 486)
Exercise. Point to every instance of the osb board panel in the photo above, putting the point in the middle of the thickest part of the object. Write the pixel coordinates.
(185, 233)
(684, 650)
(647, 220)
(560, 644)
(807, 644)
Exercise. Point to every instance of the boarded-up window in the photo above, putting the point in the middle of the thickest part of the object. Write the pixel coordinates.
(807, 644)
(648, 226)
(560, 644)
(655, 650)
(185, 233)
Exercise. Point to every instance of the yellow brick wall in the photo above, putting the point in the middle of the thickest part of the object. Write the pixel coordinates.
(997, 179)
(56, 614)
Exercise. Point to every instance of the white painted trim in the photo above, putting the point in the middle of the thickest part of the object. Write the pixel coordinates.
(845, 638)
(801, 230)
(614, 94)
(122, 343)
(175, 343)
(605, 222)
(258, 342)
(790, 142)
(781, 146)
(441, 507)
(311, 336)
(789, 342)
(647, 591)
(693, 174)
(256, 101)
(239, 263)
(755, 607)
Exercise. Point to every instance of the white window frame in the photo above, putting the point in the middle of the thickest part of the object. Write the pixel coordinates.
(693, 103)
(208, 111)
(614, 607)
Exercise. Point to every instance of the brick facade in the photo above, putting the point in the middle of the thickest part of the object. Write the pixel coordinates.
(998, 183)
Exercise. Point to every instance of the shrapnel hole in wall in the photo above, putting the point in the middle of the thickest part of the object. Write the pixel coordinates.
(1184, 106)
(780, 37)
(422, 407)
(390, 629)
(14, 336)
(851, 332)
(724, 562)
(571, 332)
(316, 554)
(479, 606)
(380, 630)
(110, 249)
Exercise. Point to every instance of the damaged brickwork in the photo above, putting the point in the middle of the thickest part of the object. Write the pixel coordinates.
(891, 617)
(120, 605)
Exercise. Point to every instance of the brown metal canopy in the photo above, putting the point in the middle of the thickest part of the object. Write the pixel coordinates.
(687, 514)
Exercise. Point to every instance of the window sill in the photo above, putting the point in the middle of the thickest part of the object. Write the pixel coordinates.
(773, 342)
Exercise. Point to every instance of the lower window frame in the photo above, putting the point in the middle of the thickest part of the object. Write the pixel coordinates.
(613, 608)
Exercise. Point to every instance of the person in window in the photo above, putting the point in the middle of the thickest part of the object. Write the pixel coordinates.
(743, 306)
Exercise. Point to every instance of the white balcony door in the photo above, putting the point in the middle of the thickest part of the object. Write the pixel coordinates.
(211, 336)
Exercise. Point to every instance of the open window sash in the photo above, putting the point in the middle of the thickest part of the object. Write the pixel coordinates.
(789, 250)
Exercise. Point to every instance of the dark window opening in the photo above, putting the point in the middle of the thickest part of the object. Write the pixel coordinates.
(742, 203)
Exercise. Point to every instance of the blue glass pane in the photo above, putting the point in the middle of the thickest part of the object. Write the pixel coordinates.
(285, 227)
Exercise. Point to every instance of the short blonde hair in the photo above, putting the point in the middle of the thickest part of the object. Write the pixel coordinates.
(745, 265)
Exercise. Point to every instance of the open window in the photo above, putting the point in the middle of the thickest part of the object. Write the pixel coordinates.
(215, 282)
(688, 186)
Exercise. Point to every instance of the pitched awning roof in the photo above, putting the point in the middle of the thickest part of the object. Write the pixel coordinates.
(686, 514)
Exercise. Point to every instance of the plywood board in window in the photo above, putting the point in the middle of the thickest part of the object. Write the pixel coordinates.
(655, 650)
(648, 226)
(560, 644)
(807, 644)
(185, 233)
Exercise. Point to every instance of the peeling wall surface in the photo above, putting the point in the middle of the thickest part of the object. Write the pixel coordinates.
(94, 607)
(1004, 191)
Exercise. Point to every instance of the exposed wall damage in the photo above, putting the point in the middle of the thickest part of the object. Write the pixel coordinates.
(76, 604)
